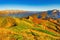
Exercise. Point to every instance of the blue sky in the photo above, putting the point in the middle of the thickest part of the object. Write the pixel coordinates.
(30, 5)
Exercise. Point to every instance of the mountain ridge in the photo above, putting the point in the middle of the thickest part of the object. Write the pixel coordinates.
(21, 13)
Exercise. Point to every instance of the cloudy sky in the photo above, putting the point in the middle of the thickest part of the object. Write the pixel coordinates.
(30, 5)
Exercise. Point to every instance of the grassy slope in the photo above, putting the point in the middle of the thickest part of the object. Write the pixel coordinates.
(26, 30)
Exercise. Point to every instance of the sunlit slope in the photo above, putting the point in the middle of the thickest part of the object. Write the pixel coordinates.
(12, 28)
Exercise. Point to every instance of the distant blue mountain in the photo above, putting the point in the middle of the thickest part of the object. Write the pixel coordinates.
(57, 14)
(29, 13)
(21, 15)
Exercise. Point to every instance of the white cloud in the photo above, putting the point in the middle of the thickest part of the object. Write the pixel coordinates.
(29, 8)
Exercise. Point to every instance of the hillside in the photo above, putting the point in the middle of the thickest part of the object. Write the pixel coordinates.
(12, 28)
(30, 26)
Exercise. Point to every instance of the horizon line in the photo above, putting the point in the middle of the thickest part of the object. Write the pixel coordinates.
(25, 10)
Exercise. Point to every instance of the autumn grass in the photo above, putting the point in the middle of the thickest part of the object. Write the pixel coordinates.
(23, 30)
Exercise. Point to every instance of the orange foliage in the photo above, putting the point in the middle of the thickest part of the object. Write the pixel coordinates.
(38, 21)
(35, 20)
(55, 21)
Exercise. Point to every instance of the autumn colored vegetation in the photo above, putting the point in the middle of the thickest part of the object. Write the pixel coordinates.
(29, 28)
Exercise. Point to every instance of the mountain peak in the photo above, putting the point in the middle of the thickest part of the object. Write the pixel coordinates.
(55, 10)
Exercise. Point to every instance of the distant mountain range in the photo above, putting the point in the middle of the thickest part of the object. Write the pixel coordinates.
(54, 13)
(20, 13)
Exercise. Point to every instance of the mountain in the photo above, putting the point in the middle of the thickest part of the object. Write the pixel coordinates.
(54, 13)
(12, 27)
(17, 13)
(21, 13)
